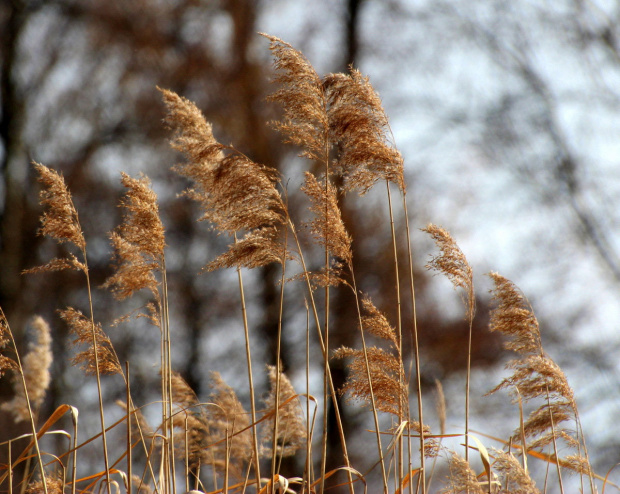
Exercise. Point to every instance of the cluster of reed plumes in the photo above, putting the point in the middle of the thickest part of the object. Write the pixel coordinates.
(338, 123)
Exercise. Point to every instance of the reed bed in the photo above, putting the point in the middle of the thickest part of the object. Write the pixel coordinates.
(223, 445)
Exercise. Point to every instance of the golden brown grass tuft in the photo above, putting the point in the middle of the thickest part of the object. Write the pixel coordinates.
(377, 324)
(256, 249)
(536, 376)
(61, 221)
(359, 129)
(53, 484)
(36, 364)
(305, 122)
(453, 264)
(138, 242)
(235, 193)
(230, 429)
(327, 228)
(513, 477)
(462, 478)
(6, 339)
(385, 370)
(83, 330)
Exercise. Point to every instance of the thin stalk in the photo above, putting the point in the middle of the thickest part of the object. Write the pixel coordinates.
(370, 385)
(401, 412)
(227, 460)
(278, 369)
(248, 354)
(98, 376)
(186, 453)
(308, 474)
(326, 371)
(74, 419)
(168, 373)
(164, 400)
(325, 356)
(129, 410)
(555, 445)
(10, 466)
(467, 386)
(585, 448)
(416, 350)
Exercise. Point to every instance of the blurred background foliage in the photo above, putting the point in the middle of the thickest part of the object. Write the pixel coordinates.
(507, 116)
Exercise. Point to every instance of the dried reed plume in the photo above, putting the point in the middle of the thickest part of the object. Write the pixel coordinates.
(35, 364)
(257, 248)
(305, 122)
(83, 330)
(385, 370)
(192, 436)
(230, 428)
(536, 375)
(60, 221)
(6, 339)
(462, 478)
(54, 484)
(138, 242)
(327, 228)
(236, 194)
(512, 475)
(359, 128)
(453, 264)
(291, 422)
(377, 324)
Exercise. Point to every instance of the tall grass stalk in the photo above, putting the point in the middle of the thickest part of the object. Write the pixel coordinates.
(248, 356)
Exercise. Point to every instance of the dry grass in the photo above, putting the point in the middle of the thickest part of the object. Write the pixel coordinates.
(217, 446)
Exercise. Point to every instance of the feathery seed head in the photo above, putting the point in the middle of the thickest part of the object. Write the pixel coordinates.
(138, 242)
(377, 324)
(386, 373)
(6, 338)
(305, 121)
(236, 193)
(83, 328)
(453, 264)
(327, 228)
(514, 317)
(359, 128)
(35, 366)
(60, 221)
(291, 427)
